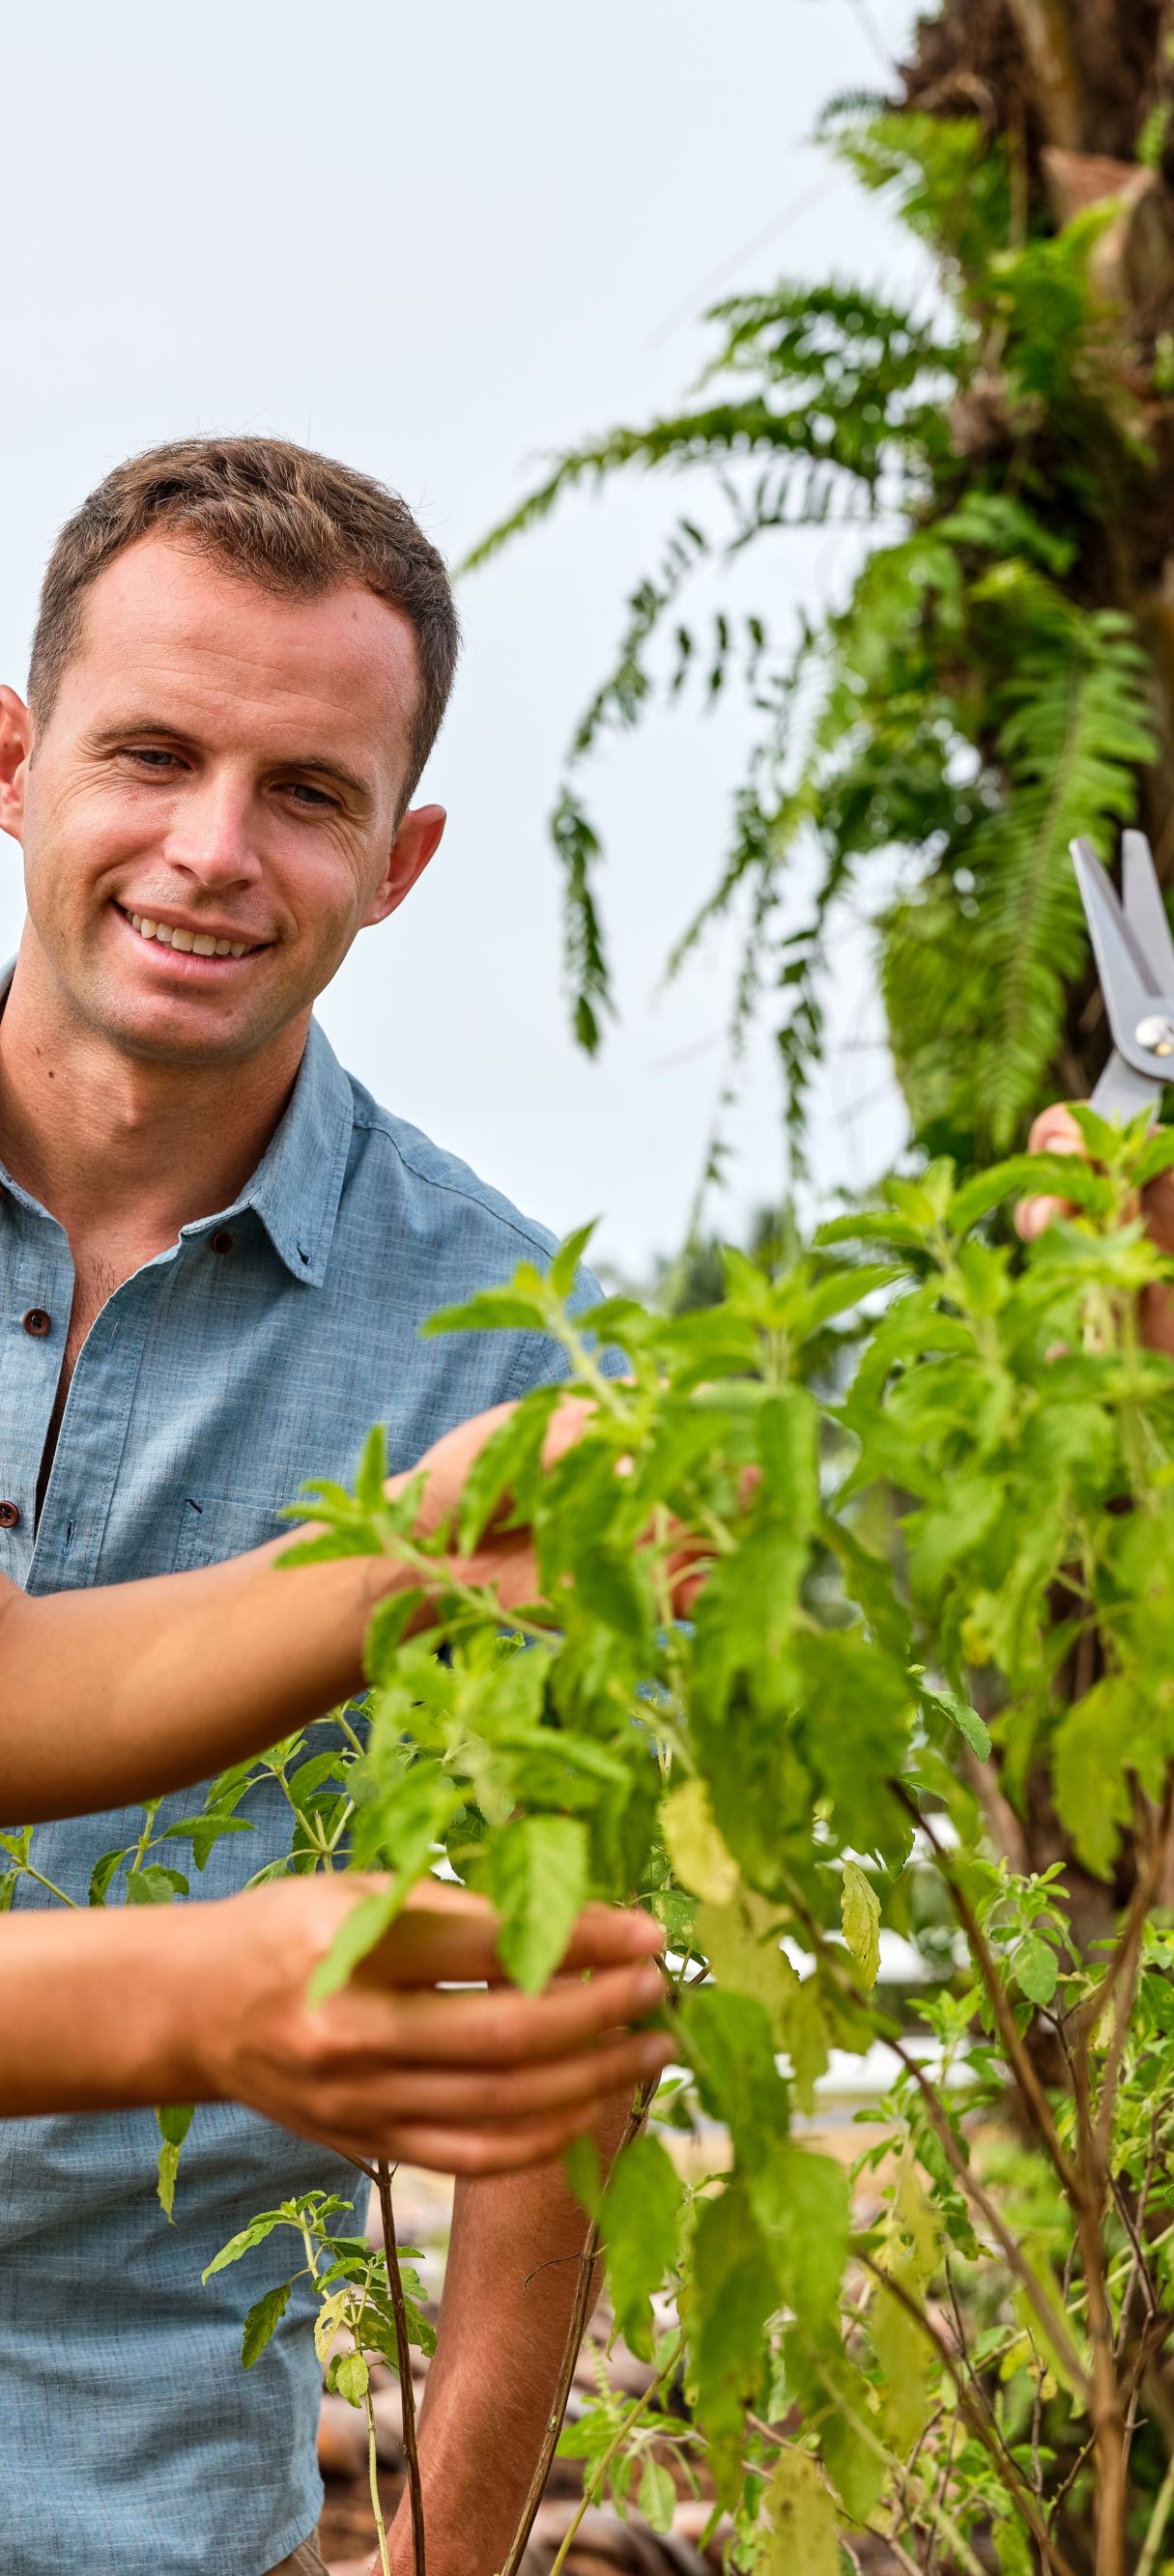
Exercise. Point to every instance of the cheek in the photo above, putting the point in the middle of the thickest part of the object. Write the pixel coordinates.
(324, 892)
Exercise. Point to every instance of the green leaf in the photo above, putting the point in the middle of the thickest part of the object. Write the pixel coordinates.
(351, 2377)
(741, 1942)
(860, 1915)
(564, 1268)
(734, 2291)
(656, 2495)
(254, 2234)
(537, 1877)
(726, 2039)
(509, 1456)
(640, 2221)
(371, 1472)
(262, 2320)
(1036, 1969)
(103, 1873)
(694, 1845)
(358, 1934)
(174, 2120)
(959, 1713)
(801, 2199)
(1089, 1771)
(154, 1885)
(799, 2519)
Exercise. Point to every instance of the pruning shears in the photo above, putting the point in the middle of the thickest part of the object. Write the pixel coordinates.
(1134, 952)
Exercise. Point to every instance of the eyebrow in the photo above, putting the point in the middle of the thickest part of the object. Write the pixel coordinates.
(311, 764)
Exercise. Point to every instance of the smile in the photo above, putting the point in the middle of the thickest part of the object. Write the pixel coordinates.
(194, 943)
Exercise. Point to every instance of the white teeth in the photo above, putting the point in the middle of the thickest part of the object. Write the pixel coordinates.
(197, 943)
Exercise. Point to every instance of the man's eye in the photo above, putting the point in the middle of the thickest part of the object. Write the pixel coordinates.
(147, 756)
(304, 794)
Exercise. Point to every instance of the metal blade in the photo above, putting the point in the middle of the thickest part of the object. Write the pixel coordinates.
(1122, 1093)
(1125, 977)
(1145, 911)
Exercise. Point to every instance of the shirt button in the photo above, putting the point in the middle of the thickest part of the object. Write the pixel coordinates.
(222, 1242)
(37, 1322)
(9, 1515)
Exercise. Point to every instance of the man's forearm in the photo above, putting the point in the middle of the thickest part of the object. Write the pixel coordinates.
(509, 2290)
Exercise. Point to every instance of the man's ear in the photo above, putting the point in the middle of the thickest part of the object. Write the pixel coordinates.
(16, 736)
(418, 836)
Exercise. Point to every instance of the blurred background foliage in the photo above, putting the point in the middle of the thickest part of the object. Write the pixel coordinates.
(1002, 672)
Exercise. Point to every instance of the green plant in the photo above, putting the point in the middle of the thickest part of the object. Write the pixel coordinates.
(973, 1543)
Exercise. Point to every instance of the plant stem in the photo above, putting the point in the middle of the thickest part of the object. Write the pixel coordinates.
(26, 1870)
(404, 2349)
(593, 2485)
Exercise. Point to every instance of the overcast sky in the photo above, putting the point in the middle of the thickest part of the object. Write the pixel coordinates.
(441, 243)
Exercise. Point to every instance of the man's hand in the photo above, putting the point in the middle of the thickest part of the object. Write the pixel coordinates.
(505, 1557)
(1056, 1132)
(394, 2066)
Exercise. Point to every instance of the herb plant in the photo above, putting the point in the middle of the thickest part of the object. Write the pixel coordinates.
(932, 1481)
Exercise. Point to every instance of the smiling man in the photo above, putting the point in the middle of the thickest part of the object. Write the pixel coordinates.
(215, 1251)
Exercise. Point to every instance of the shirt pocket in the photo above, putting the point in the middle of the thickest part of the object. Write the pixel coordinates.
(215, 1526)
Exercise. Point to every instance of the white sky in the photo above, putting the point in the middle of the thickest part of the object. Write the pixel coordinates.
(441, 243)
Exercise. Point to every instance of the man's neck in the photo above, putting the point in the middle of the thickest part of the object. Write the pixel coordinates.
(123, 1150)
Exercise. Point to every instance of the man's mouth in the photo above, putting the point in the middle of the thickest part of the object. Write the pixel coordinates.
(195, 943)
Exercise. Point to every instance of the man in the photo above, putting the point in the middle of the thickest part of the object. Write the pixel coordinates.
(215, 1251)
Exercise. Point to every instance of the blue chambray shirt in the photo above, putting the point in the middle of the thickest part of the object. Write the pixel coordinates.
(213, 1383)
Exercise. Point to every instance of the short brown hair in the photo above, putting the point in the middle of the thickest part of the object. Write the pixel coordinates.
(292, 521)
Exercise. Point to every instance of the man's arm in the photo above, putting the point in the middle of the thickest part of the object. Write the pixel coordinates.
(185, 1673)
(509, 2288)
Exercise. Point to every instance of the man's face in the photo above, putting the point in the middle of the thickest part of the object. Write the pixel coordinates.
(223, 767)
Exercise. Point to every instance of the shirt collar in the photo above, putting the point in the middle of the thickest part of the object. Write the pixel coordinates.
(297, 1184)
(296, 1187)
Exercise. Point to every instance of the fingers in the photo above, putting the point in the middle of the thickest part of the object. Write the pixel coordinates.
(498, 2027)
(1054, 1132)
(481, 2098)
(447, 1934)
(474, 2154)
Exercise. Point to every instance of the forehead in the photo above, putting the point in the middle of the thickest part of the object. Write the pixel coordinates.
(205, 646)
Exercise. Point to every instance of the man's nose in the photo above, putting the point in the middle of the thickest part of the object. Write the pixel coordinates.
(214, 834)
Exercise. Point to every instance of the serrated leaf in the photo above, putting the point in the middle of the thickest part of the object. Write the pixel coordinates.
(263, 2318)
(639, 2222)
(537, 1877)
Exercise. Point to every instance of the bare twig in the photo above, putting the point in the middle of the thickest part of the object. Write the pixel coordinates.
(1018, 2059)
(981, 2423)
(404, 2349)
(1050, 2318)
